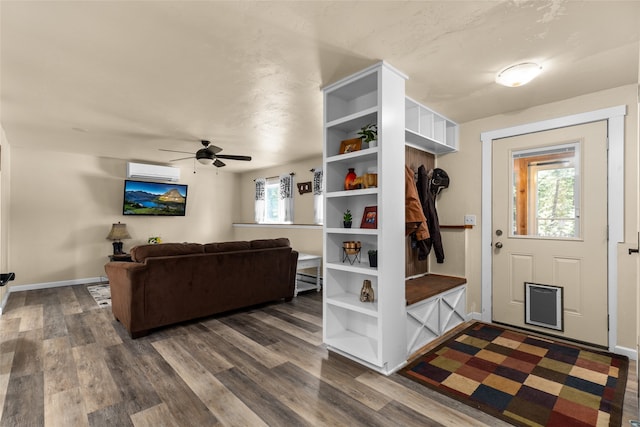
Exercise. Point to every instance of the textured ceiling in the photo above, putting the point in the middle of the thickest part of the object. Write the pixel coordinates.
(122, 79)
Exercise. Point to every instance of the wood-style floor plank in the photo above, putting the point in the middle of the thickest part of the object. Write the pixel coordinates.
(65, 408)
(24, 403)
(60, 371)
(97, 385)
(264, 355)
(65, 361)
(156, 416)
(221, 401)
(313, 338)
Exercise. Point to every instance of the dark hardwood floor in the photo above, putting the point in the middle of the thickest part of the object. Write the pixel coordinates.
(64, 361)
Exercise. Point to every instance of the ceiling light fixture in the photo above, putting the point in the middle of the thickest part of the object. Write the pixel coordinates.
(204, 156)
(519, 74)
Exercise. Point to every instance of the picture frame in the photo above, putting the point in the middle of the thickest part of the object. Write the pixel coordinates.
(350, 145)
(369, 217)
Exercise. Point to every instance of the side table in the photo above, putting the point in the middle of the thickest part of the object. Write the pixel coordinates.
(308, 261)
(121, 257)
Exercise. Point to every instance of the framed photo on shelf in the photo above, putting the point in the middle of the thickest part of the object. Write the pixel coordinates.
(370, 217)
(350, 145)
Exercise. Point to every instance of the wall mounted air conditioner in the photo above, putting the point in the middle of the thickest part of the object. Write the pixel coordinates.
(152, 172)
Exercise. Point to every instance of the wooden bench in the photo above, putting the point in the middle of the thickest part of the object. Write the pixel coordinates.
(435, 304)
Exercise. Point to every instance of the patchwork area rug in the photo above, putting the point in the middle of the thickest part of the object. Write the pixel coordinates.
(526, 380)
(101, 294)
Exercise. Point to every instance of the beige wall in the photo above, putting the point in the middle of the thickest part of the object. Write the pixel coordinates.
(465, 168)
(302, 239)
(5, 194)
(63, 205)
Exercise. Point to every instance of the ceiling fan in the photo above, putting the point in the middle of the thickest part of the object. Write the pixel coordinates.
(209, 154)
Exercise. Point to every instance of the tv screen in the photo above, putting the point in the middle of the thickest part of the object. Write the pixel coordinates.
(154, 198)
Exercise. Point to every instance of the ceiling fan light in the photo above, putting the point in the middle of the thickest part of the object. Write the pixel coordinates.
(519, 74)
(204, 156)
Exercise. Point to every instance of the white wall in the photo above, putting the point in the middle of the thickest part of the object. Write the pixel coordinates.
(62, 207)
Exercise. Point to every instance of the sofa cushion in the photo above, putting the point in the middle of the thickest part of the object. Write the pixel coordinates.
(270, 243)
(211, 248)
(142, 252)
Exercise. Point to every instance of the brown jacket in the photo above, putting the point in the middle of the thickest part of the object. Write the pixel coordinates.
(415, 220)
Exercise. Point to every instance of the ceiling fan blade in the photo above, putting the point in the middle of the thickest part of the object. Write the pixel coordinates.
(217, 163)
(174, 151)
(213, 149)
(232, 157)
(182, 158)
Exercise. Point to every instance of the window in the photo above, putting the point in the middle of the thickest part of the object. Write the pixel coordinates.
(274, 200)
(546, 192)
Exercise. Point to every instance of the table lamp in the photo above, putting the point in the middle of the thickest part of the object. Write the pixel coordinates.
(117, 233)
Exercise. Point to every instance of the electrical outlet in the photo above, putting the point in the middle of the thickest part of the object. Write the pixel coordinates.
(469, 220)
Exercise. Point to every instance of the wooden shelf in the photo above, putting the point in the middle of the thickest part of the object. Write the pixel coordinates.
(427, 286)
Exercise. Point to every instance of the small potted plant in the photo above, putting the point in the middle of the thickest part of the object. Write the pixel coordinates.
(369, 134)
(347, 218)
(373, 258)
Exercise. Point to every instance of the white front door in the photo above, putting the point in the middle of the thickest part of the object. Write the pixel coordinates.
(549, 216)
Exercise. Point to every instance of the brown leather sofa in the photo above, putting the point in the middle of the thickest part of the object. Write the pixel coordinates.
(173, 282)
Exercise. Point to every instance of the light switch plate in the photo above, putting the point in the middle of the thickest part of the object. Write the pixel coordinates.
(469, 220)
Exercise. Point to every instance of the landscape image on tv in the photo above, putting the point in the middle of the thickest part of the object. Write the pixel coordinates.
(154, 198)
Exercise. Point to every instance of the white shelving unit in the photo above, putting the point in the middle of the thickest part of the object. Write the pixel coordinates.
(374, 334)
(366, 332)
(429, 131)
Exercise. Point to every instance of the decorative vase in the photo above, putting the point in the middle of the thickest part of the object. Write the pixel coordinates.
(349, 179)
(347, 224)
(366, 293)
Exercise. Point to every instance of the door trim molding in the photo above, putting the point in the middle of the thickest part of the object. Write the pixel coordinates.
(615, 197)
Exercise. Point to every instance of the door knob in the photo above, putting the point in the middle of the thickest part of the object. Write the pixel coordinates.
(499, 245)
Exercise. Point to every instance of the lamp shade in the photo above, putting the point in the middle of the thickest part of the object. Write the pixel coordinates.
(118, 232)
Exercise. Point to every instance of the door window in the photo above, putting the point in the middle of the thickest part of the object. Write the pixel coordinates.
(546, 192)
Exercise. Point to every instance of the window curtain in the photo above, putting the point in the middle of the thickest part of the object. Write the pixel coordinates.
(259, 201)
(286, 198)
(318, 201)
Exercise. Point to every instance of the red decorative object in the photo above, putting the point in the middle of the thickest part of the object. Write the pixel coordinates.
(348, 180)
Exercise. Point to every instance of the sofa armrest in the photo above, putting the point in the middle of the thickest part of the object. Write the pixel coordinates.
(127, 299)
(292, 274)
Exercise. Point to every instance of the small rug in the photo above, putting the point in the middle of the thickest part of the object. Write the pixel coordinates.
(526, 380)
(101, 294)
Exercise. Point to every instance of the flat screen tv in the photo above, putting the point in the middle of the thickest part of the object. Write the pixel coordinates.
(154, 198)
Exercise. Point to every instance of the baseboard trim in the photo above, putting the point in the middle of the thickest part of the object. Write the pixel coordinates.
(474, 316)
(626, 351)
(47, 285)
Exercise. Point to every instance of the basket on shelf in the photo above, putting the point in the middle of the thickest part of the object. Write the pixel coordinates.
(351, 251)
